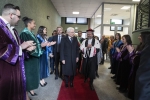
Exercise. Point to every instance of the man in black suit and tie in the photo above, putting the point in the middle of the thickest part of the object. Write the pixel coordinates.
(56, 52)
(69, 54)
(80, 40)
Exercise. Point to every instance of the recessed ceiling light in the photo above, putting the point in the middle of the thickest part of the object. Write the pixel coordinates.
(99, 15)
(136, 0)
(75, 12)
(125, 7)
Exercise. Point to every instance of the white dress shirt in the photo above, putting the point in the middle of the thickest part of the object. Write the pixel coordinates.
(12, 32)
(89, 41)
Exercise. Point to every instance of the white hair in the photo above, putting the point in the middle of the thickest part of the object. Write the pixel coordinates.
(69, 28)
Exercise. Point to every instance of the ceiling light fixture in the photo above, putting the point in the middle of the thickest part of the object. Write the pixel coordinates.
(136, 0)
(125, 7)
(99, 15)
(75, 12)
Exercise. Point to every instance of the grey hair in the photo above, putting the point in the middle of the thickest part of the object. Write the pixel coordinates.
(69, 28)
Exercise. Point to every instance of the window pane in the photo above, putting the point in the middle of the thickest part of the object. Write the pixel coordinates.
(82, 20)
(70, 20)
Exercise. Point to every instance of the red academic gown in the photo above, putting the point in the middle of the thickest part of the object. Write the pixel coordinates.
(12, 75)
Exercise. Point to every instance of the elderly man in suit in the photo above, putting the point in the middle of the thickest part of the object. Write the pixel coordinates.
(69, 53)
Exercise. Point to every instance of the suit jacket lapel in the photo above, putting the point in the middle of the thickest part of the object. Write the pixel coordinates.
(68, 40)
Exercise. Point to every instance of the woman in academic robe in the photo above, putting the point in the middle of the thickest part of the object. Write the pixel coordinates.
(32, 61)
(124, 67)
(47, 51)
(117, 44)
(134, 61)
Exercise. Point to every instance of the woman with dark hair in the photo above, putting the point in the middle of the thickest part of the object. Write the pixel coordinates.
(117, 44)
(124, 68)
(134, 61)
(32, 61)
(47, 51)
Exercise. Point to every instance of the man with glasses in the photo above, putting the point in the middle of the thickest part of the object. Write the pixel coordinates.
(12, 74)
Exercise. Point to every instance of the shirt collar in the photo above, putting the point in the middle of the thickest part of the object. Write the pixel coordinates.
(69, 37)
(6, 22)
(59, 35)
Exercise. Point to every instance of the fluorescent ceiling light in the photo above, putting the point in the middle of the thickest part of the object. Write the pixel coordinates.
(125, 7)
(75, 12)
(99, 15)
(136, 0)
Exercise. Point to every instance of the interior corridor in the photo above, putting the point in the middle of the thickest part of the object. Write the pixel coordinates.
(104, 86)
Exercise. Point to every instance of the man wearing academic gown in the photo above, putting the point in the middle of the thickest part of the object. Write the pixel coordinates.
(69, 53)
(12, 73)
(90, 48)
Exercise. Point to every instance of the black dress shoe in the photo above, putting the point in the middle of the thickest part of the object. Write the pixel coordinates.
(71, 84)
(123, 90)
(66, 85)
(51, 72)
(91, 86)
(32, 94)
(118, 88)
(45, 83)
(42, 85)
(56, 78)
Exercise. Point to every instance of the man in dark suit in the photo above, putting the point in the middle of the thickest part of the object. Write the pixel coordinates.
(80, 40)
(69, 53)
(56, 52)
(52, 55)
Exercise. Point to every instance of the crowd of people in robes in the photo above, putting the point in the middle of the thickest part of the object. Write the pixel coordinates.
(125, 61)
(24, 58)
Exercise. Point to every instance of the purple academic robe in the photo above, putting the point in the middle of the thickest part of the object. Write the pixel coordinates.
(12, 74)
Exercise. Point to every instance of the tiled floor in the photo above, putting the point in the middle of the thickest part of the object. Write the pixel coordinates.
(104, 86)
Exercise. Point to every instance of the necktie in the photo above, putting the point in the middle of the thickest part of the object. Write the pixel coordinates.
(58, 39)
(71, 39)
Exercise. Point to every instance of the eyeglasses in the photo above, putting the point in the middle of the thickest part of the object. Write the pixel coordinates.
(17, 16)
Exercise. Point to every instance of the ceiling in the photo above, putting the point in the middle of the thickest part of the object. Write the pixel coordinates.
(86, 7)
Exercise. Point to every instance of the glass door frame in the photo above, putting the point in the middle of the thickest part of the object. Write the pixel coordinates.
(132, 19)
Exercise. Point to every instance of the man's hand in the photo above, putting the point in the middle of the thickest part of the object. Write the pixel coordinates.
(63, 61)
(31, 48)
(77, 59)
(89, 46)
(27, 44)
(51, 55)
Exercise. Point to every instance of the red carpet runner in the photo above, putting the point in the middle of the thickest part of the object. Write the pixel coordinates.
(80, 91)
